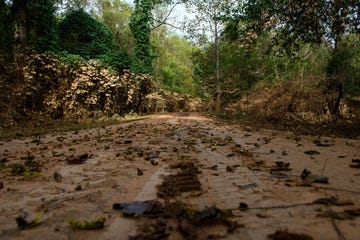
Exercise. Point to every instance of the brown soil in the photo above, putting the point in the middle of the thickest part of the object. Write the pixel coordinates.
(254, 176)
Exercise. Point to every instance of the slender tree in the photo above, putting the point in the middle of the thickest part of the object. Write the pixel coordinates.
(141, 25)
(19, 13)
(208, 23)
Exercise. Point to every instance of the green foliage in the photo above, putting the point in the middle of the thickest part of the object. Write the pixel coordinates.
(115, 14)
(80, 34)
(173, 66)
(118, 61)
(30, 168)
(344, 64)
(71, 60)
(140, 26)
(246, 64)
(41, 25)
(307, 21)
(86, 225)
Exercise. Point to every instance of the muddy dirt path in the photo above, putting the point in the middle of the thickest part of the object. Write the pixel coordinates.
(185, 158)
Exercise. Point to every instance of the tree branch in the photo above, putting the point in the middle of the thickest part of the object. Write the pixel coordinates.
(164, 21)
(161, 23)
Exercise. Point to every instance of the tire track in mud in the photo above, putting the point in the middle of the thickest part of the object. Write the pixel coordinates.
(226, 186)
(220, 187)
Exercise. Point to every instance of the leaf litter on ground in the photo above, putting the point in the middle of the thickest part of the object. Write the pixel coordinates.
(177, 211)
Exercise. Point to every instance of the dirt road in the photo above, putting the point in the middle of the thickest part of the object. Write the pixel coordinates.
(249, 179)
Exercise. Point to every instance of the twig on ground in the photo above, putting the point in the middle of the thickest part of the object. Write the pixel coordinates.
(324, 167)
(339, 233)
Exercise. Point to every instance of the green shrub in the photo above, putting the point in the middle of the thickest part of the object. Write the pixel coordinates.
(82, 35)
(117, 61)
(71, 60)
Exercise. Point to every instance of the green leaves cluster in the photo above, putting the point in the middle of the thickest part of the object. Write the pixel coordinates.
(173, 66)
(307, 21)
(140, 25)
(86, 225)
(81, 34)
(115, 14)
(42, 25)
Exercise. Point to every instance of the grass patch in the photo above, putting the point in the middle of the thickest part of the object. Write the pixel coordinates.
(18, 169)
(31, 168)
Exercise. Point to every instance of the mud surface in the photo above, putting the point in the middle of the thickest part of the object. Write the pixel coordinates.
(233, 182)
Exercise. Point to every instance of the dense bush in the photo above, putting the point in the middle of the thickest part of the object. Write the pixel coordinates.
(96, 89)
(118, 61)
(82, 35)
(71, 60)
(53, 87)
(344, 64)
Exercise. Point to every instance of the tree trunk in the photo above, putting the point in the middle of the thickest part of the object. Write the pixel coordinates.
(3, 15)
(335, 75)
(19, 9)
(217, 69)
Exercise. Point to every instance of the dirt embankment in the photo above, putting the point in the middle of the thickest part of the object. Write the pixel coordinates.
(193, 178)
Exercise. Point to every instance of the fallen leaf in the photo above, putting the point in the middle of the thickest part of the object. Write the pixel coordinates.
(243, 206)
(229, 169)
(135, 208)
(247, 186)
(57, 177)
(72, 159)
(284, 235)
(312, 152)
(23, 224)
(139, 172)
(86, 225)
(231, 155)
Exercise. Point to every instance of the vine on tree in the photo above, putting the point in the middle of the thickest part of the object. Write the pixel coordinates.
(140, 26)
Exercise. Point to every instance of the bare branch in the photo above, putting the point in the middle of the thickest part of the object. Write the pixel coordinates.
(164, 21)
(161, 23)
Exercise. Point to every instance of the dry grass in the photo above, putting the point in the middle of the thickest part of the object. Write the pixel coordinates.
(299, 106)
